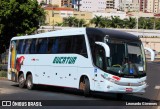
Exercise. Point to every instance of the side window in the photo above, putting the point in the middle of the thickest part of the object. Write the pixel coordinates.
(65, 44)
(20, 47)
(42, 46)
(24, 43)
(53, 45)
(62, 45)
(99, 57)
(17, 43)
(32, 48)
(27, 46)
(79, 45)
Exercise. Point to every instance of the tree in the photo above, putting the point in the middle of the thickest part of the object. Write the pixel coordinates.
(96, 20)
(117, 22)
(157, 24)
(146, 23)
(19, 17)
(130, 23)
(80, 22)
(70, 21)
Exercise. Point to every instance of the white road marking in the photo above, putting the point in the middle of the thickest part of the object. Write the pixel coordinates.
(157, 87)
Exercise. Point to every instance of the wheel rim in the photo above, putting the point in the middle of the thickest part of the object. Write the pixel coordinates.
(82, 85)
(21, 80)
(29, 84)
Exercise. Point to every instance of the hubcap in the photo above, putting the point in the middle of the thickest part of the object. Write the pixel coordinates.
(21, 80)
(29, 83)
(82, 86)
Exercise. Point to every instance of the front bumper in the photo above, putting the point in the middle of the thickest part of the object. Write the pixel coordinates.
(114, 88)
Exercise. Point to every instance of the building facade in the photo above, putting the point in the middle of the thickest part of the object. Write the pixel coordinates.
(116, 4)
(129, 5)
(143, 5)
(92, 5)
(110, 4)
(121, 15)
(153, 6)
(56, 15)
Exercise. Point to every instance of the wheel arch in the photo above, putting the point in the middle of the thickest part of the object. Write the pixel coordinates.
(19, 73)
(28, 73)
(82, 78)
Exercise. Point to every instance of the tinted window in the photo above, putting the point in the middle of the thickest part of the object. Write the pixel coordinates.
(53, 45)
(79, 45)
(42, 46)
(20, 47)
(27, 46)
(65, 44)
(32, 48)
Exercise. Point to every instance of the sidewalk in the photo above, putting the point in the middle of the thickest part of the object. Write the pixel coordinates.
(3, 78)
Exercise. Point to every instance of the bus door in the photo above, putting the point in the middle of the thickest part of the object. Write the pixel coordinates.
(100, 64)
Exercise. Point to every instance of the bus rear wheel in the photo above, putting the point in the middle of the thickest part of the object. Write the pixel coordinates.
(29, 82)
(85, 86)
(21, 81)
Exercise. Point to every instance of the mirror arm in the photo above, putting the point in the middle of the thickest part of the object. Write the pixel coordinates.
(106, 47)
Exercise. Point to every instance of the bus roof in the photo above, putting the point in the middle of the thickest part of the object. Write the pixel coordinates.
(75, 31)
(114, 34)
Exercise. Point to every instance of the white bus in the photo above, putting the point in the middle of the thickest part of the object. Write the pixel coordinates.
(89, 59)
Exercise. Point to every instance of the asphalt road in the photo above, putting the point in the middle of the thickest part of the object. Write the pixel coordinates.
(10, 91)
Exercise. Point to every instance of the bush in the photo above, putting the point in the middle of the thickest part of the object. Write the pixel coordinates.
(3, 73)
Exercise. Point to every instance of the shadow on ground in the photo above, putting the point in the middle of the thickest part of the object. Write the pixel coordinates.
(97, 95)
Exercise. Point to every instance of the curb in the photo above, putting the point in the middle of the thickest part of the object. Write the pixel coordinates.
(3, 78)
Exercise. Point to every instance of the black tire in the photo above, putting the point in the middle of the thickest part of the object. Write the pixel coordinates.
(21, 81)
(119, 96)
(29, 82)
(86, 87)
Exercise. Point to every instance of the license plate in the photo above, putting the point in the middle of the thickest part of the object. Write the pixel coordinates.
(129, 90)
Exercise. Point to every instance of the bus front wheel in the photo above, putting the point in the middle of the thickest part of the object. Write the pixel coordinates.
(85, 86)
(21, 81)
(29, 82)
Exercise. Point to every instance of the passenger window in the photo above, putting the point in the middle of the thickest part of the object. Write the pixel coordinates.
(62, 45)
(65, 44)
(79, 45)
(28, 44)
(32, 48)
(53, 45)
(42, 46)
(17, 43)
(20, 47)
(23, 46)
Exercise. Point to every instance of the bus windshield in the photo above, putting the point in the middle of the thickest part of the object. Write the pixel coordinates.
(126, 59)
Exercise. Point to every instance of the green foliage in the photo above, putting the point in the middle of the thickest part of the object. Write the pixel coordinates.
(3, 73)
(157, 24)
(19, 17)
(130, 23)
(73, 22)
(114, 22)
(97, 20)
(146, 23)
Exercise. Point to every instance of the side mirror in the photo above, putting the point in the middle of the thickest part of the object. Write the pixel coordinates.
(106, 48)
(152, 53)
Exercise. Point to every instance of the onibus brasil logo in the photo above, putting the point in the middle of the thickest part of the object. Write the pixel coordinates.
(64, 60)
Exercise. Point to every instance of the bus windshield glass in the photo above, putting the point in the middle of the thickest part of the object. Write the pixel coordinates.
(126, 59)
